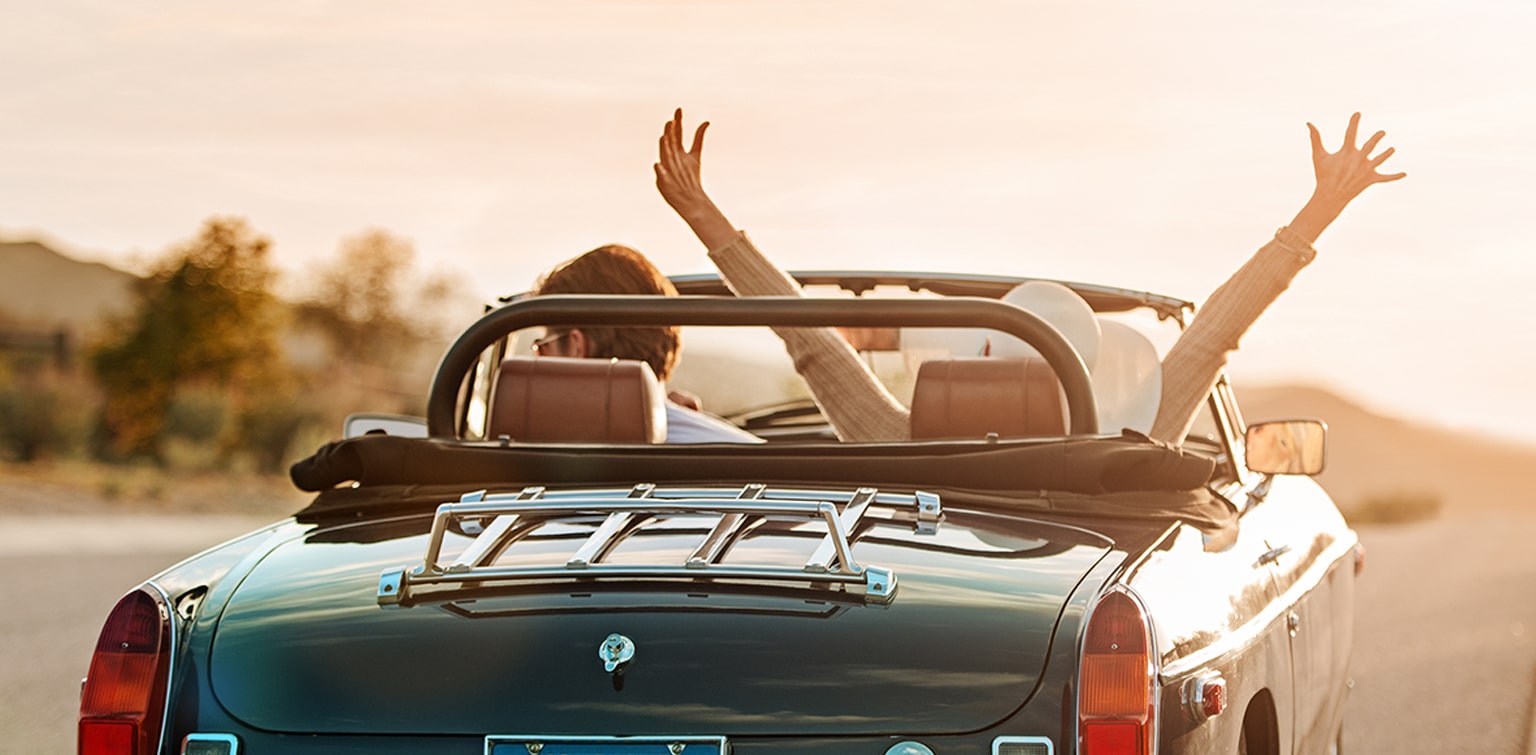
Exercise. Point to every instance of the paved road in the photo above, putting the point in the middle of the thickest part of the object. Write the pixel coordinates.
(58, 579)
(1445, 644)
(1445, 655)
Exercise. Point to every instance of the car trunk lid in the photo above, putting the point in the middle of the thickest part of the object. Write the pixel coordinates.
(305, 645)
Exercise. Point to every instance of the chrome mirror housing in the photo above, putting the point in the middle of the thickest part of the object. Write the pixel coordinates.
(398, 425)
(1292, 446)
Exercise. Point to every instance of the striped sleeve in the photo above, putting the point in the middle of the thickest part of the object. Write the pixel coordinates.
(1191, 367)
(854, 401)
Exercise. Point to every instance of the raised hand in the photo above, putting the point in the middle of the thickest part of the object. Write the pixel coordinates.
(1349, 171)
(1341, 176)
(678, 171)
(679, 179)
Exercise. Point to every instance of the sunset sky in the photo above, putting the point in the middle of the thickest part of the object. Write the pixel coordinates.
(1143, 145)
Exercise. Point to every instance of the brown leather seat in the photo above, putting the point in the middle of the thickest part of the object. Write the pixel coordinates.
(972, 398)
(555, 399)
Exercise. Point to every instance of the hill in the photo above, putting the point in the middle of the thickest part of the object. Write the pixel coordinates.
(45, 289)
(1370, 454)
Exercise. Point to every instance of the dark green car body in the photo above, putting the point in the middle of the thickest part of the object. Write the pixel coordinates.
(293, 639)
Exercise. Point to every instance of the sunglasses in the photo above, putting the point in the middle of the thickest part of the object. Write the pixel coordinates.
(543, 343)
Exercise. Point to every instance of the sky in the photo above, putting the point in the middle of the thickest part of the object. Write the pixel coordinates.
(1141, 145)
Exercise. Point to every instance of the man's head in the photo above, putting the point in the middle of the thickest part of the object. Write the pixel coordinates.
(612, 269)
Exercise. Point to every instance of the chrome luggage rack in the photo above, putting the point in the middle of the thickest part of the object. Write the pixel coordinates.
(492, 518)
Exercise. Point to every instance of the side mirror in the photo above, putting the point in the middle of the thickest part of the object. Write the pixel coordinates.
(1292, 446)
(397, 425)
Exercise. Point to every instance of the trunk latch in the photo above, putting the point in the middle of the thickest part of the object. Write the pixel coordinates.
(616, 652)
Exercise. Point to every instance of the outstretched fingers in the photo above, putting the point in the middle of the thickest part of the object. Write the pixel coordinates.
(678, 174)
(1371, 143)
(676, 158)
(669, 138)
(671, 144)
(1376, 163)
(1317, 142)
(1342, 175)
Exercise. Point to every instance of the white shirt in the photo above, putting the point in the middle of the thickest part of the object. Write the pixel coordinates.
(685, 425)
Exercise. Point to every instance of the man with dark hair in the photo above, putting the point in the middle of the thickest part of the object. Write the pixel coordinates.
(616, 269)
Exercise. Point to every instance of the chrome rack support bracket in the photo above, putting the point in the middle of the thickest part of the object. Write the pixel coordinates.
(929, 512)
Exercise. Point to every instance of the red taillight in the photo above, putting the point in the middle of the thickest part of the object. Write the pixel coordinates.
(124, 694)
(1117, 686)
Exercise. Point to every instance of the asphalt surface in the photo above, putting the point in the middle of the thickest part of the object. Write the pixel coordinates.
(1445, 646)
(1445, 640)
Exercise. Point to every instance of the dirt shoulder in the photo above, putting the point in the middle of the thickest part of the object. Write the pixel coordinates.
(68, 488)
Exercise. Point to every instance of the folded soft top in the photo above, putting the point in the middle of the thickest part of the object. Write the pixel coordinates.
(1082, 465)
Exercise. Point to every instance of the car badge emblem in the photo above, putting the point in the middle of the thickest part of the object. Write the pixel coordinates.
(616, 651)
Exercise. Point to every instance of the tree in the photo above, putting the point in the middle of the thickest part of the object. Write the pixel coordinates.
(370, 303)
(207, 317)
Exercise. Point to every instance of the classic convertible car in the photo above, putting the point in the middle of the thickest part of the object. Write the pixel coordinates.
(1029, 575)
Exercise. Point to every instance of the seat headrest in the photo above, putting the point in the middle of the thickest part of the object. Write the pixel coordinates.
(557, 399)
(972, 398)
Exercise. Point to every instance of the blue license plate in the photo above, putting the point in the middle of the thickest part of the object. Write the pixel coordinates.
(519, 745)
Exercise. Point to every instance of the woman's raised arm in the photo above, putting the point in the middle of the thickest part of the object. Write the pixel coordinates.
(854, 401)
(1191, 367)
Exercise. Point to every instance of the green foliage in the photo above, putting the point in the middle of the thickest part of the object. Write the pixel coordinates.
(200, 379)
(380, 325)
(45, 413)
(207, 319)
(1395, 507)
(371, 305)
(197, 413)
(270, 427)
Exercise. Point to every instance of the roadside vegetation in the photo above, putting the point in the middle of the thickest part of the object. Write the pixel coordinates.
(217, 375)
(1394, 507)
(225, 373)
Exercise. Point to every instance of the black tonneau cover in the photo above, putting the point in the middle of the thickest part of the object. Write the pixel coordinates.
(1127, 476)
(1079, 465)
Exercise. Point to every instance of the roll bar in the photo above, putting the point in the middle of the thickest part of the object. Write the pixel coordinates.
(791, 311)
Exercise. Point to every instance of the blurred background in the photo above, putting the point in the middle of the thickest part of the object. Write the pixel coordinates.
(223, 228)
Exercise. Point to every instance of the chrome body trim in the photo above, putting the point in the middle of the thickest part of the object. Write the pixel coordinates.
(229, 739)
(909, 747)
(170, 665)
(1050, 747)
(1197, 690)
(1281, 605)
(1272, 555)
(534, 743)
